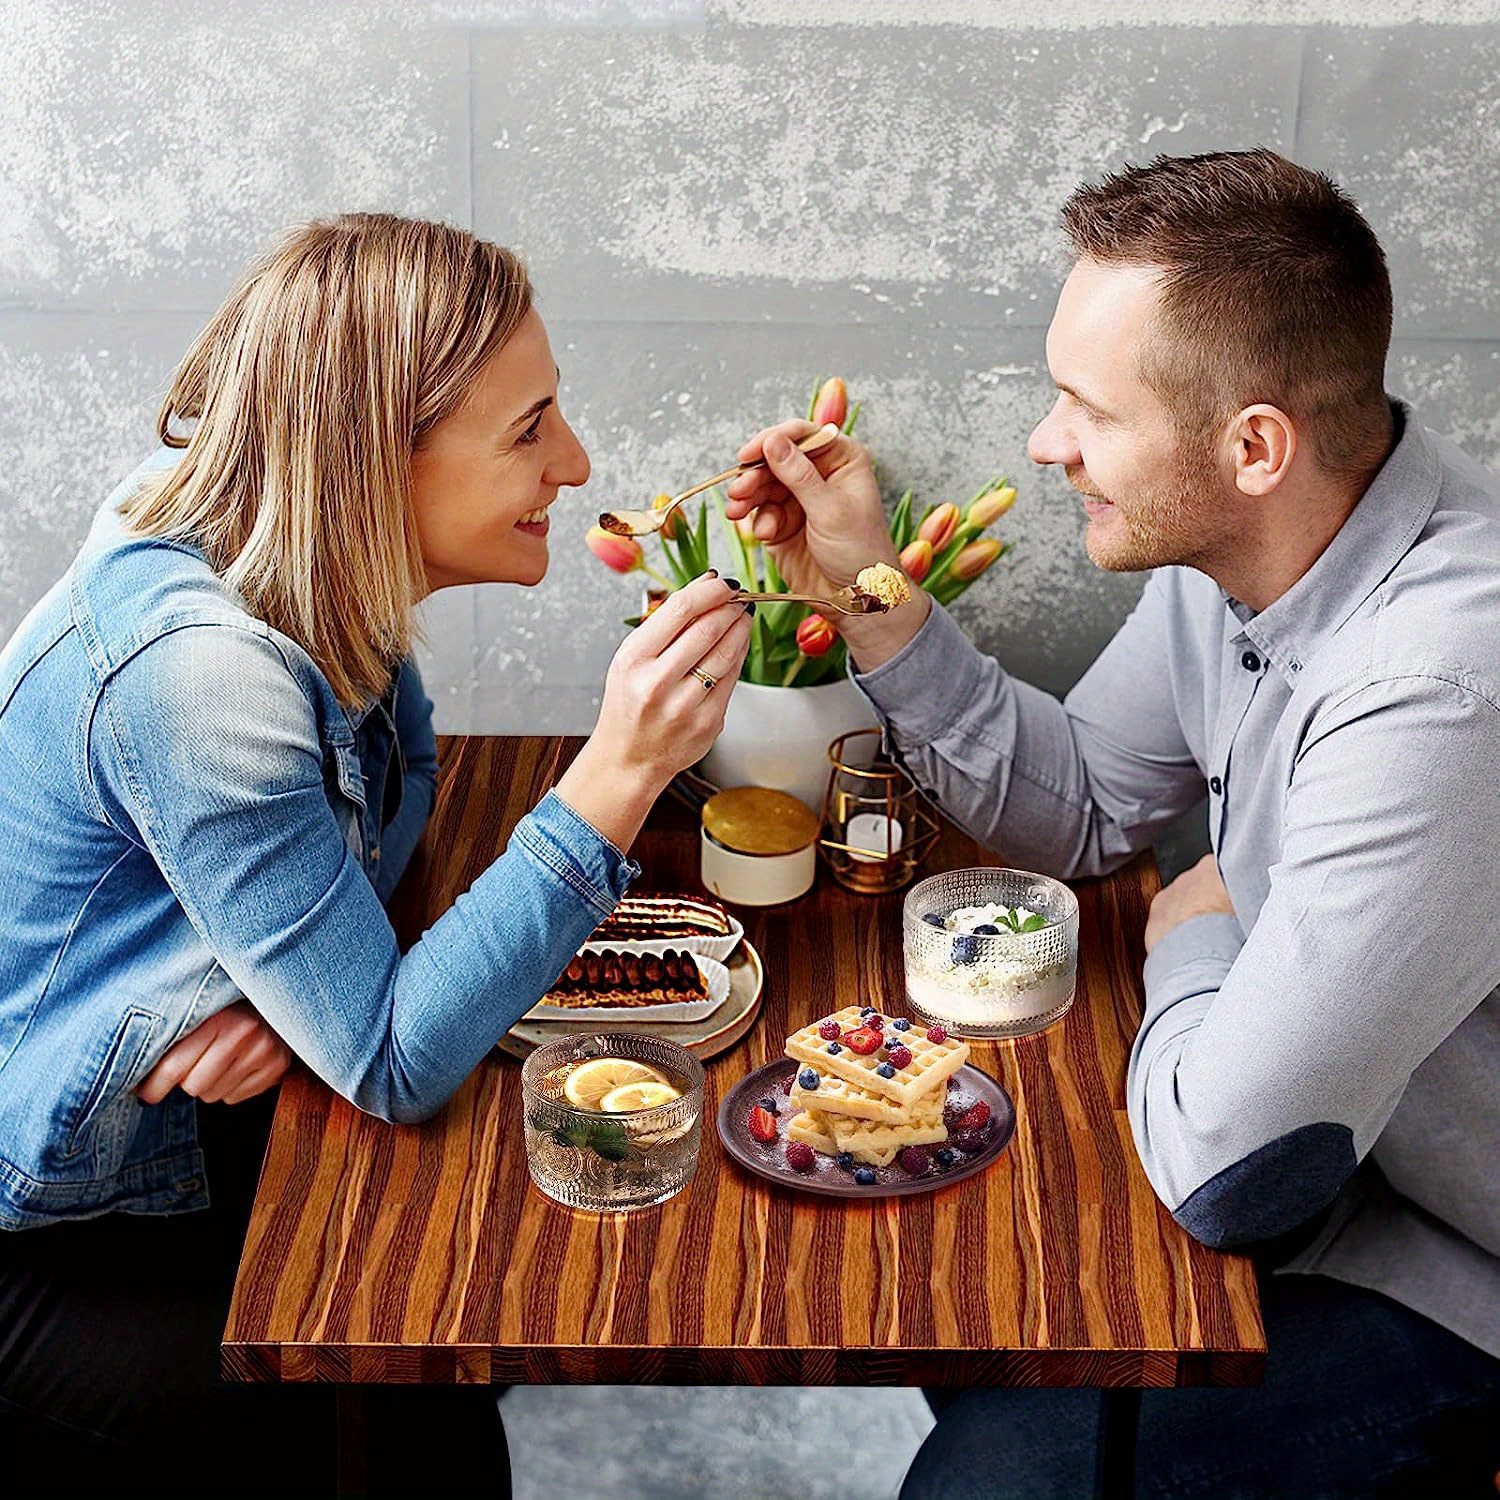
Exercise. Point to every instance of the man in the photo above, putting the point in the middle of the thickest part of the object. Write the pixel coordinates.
(1318, 647)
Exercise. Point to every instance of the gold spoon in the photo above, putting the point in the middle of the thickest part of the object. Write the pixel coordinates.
(644, 522)
(849, 600)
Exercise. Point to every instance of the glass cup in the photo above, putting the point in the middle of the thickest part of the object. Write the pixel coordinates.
(997, 984)
(607, 1161)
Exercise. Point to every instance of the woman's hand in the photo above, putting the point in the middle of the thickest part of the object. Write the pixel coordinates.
(658, 717)
(232, 1056)
(822, 520)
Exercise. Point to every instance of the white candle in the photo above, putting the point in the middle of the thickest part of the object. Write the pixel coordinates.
(872, 837)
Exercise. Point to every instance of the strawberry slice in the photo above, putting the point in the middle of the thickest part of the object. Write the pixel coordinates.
(762, 1124)
(862, 1041)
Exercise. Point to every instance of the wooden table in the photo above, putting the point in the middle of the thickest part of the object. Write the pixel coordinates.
(382, 1253)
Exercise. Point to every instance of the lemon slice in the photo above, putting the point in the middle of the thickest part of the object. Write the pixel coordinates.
(589, 1082)
(646, 1094)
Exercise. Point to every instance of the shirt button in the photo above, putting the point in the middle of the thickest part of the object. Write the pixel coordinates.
(1215, 785)
(1250, 662)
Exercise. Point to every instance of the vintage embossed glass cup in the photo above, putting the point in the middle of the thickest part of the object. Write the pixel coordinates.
(613, 1119)
(996, 982)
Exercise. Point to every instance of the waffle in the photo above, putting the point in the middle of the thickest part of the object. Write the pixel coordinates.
(931, 1062)
(627, 979)
(835, 1096)
(814, 1129)
(865, 1139)
(652, 918)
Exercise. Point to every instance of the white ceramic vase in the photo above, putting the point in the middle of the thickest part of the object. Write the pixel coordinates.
(779, 736)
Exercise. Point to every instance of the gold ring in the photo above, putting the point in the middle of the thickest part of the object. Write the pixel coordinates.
(709, 683)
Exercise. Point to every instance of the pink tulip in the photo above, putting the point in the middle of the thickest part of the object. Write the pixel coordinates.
(831, 404)
(939, 527)
(916, 559)
(989, 508)
(815, 636)
(975, 558)
(622, 553)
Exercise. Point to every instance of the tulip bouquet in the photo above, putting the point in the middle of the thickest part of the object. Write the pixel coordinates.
(943, 549)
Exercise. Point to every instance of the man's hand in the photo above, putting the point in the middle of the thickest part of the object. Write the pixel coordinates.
(1195, 893)
(232, 1056)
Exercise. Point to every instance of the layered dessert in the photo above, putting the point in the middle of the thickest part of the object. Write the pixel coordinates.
(989, 969)
(645, 919)
(627, 979)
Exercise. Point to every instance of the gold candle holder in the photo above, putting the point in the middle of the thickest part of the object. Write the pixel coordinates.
(876, 828)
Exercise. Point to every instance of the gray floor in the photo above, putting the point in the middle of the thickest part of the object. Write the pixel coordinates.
(611, 1442)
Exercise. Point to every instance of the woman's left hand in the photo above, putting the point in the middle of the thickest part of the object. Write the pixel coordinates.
(232, 1057)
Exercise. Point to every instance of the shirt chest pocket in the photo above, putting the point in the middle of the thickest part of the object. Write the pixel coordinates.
(344, 780)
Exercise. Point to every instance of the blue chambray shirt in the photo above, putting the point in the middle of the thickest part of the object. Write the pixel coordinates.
(1337, 1041)
(187, 815)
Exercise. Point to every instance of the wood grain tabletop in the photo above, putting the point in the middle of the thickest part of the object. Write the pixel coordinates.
(381, 1252)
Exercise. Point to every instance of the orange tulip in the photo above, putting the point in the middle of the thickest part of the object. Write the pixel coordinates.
(815, 636)
(989, 508)
(673, 529)
(975, 558)
(916, 559)
(622, 553)
(831, 404)
(939, 527)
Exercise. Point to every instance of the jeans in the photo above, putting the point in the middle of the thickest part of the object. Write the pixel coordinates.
(1362, 1398)
(109, 1357)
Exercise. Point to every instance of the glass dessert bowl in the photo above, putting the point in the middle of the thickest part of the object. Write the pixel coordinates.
(990, 952)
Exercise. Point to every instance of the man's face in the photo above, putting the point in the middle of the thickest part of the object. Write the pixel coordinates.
(1151, 495)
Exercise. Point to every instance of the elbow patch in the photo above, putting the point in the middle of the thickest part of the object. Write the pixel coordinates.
(1275, 1188)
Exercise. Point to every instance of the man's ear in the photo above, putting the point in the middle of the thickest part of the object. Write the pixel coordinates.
(1264, 443)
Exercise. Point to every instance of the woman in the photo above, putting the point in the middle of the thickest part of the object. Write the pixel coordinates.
(215, 760)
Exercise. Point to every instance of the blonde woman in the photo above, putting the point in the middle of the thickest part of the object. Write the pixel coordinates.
(215, 760)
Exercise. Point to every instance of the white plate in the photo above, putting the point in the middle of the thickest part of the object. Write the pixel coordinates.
(717, 946)
(715, 979)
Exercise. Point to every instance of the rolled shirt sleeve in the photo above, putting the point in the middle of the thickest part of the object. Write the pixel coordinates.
(239, 823)
(1070, 788)
(1268, 1063)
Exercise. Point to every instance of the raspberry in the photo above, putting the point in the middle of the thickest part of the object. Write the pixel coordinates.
(762, 1124)
(915, 1160)
(862, 1041)
(975, 1117)
(970, 1142)
(936, 1034)
(865, 1176)
(874, 1020)
(900, 1057)
(788, 1081)
(800, 1157)
(829, 1031)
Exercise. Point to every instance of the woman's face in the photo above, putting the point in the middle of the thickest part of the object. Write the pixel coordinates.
(484, 476)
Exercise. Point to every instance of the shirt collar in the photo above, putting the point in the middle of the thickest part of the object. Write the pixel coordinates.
(1380, 530)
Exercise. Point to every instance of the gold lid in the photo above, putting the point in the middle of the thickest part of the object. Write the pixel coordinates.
(758, 820)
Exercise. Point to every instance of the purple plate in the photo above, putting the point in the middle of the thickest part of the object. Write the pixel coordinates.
(768, 1159)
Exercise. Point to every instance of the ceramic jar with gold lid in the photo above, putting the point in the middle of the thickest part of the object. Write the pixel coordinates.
(759, 846)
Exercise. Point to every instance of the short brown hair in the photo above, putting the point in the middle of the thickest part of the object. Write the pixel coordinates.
(304, 399)
(1274, 289)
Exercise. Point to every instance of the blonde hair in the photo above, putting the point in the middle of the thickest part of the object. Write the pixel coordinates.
(308, 392)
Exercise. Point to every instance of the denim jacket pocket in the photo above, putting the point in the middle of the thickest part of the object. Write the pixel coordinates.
(108, 1111)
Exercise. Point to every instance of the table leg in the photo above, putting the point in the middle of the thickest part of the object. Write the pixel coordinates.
(1119, 1423)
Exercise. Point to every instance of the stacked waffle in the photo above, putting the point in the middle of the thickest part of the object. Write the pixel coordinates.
(870, 1086)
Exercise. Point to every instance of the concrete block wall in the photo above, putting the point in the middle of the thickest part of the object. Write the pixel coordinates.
(719, 201)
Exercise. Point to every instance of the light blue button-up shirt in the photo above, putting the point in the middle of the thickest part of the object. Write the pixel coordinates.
(1337, 1041)
(187, 815)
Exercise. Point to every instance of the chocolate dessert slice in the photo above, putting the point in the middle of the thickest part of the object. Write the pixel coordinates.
(654, 918)
(610, 977)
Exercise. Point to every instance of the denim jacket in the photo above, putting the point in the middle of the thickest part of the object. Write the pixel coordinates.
(187, 815)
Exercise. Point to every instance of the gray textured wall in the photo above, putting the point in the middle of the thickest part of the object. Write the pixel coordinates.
(719, 201)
